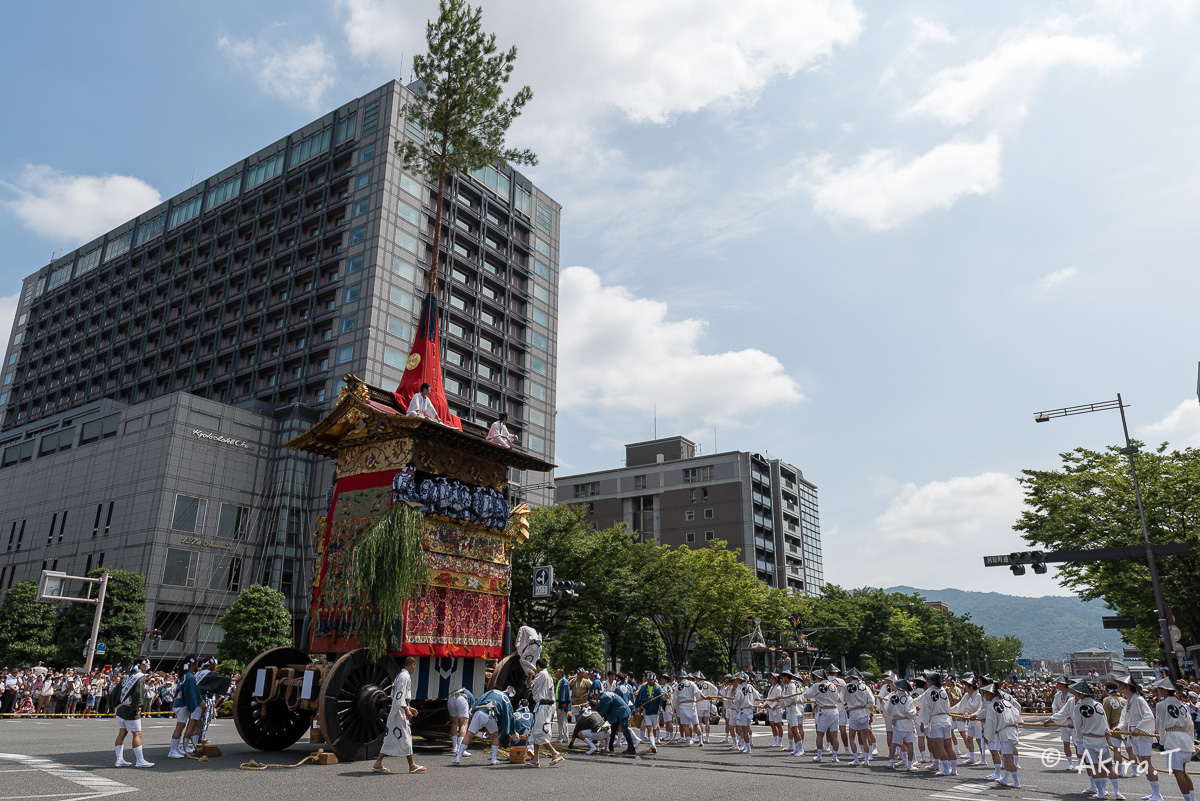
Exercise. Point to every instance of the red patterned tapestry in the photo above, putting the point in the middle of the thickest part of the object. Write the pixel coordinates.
(447, 622)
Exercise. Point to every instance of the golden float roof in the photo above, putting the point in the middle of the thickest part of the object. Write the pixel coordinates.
(364, 414)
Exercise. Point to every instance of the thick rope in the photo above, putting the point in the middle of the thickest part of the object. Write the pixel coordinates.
(252, 765)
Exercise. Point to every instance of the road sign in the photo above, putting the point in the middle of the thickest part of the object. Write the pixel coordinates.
(543, 581)
(1118, 622)
(993, 561)
(1187, 664)
(1025, 663)
(101, 648)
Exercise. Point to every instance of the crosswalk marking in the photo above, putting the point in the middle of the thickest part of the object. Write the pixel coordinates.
(95, 785)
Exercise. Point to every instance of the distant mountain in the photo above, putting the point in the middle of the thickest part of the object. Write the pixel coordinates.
(1050, 626)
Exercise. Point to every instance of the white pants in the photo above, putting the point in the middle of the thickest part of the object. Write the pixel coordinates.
(539, 734)
(129, 725)
(827, 720)
(530, 654)
(482, 721)
(688, 717)
(457, 706)
(182, 715)
(794, 716)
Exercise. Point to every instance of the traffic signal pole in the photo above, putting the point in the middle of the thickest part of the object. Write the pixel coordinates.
(91, 649)
(1129, 450)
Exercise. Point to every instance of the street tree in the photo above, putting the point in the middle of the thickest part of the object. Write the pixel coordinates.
(558, 536)
(1089, 503)
(580, 643)
(459, 121)
(640, 648)
(26, 626)
(257, 621)
(122, 623)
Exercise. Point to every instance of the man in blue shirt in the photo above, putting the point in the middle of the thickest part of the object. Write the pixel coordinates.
(650, 699)
(610, 707)
(187, 711)
(493, 714)
(562, 703)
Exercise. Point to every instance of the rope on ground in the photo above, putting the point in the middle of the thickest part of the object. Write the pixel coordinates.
(252, 765)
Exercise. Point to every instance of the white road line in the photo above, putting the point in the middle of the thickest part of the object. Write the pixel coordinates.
(97, 786)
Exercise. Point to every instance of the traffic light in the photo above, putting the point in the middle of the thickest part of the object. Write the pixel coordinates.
(1018, 559)
(567, 589)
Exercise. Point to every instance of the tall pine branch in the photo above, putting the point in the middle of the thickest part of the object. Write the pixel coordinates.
(460, 108)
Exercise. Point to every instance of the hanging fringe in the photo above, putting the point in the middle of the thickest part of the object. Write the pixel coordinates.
(386, 567)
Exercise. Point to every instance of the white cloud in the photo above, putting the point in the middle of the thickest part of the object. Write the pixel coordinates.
(936, 535)
(1181, 427)
(654, 60)
(928, 31)
(951, 512)
(882, 191)
(296, 73)
(1050, 281)
(1000, 85)
(75, 208)
(620, 354)
(378, 32)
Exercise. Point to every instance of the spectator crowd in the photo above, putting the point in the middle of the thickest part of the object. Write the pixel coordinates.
(41, 691)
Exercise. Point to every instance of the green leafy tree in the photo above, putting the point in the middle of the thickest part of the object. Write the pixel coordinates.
(1089, 503)
(677, 610)
(614, 582)
(257, 621)
(579, 644)
(122, 623)
(710, 656)
(461, 113)
(558, 536)
(26, 626)
(731, 594)
(640, 648)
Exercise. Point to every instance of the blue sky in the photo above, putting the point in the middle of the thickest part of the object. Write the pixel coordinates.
(869, 238)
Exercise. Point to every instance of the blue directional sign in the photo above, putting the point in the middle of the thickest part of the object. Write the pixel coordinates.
(543, 580)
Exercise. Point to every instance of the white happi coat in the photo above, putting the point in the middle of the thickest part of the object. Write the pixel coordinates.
(397, 741)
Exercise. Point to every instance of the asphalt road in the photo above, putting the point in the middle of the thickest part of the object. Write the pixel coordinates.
(63, 760)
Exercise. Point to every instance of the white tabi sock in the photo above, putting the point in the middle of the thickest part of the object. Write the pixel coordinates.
(1155, 793)
(454, 740)
(650, 737)
(1113, 782)
(1010, 778)
(120, 749)
(495, 751)
(137, 754)
(175, 746)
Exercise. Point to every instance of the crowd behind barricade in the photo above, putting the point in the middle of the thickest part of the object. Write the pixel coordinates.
(42, 691)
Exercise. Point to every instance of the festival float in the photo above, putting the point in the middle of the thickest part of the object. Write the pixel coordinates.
(412, 559)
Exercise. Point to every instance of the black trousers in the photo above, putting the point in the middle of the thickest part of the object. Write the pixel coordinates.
(621, 726)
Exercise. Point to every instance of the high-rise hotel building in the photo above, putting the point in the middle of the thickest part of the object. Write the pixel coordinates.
(214, 327)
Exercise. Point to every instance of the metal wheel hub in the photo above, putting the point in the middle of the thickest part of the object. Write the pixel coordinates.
(371, 702)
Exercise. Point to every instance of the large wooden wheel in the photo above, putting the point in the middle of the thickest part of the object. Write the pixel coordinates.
(270, 726)
(355, 700)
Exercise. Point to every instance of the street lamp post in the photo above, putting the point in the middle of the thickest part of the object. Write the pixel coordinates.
(1130, 450)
